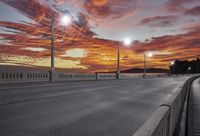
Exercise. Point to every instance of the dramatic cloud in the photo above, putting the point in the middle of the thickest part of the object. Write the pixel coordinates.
(75, 53)
(183, 46)
(42, 14)
(34, 49)
(159, 21)
(45, 62)
(178, 5)
(28, 42)
(32, 9)
(110, 8)
(178, 2)
(193, 11)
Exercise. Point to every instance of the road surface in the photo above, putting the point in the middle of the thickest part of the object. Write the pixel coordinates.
(87, 108)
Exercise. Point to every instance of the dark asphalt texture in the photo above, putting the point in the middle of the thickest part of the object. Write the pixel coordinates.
(89, 108)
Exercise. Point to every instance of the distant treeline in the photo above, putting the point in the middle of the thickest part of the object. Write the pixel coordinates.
(185, 67)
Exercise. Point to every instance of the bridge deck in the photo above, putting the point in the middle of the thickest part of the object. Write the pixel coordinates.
(90, 108)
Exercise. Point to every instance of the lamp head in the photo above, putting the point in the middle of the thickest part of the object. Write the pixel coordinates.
(127, 41)
(66, 20)
(149, 54)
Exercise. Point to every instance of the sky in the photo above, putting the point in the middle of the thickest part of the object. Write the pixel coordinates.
(170, 29)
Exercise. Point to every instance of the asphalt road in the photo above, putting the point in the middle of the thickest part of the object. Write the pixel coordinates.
(89, 108)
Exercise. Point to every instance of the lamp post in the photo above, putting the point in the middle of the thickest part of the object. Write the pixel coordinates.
(145, 66)
(52, 47)
(118, 60)
(126, 42)
(65, 20)
(149, 54)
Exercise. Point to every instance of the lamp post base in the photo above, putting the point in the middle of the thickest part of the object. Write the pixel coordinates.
(52, 76)
(117, 75)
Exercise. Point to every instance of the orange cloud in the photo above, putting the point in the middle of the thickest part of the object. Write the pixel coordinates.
(99, 3)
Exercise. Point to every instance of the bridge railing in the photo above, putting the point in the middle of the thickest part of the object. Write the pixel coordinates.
(163, 122)
(102, 76)
(74, 76)
(28, 76)
(23, 76)
(130, 75)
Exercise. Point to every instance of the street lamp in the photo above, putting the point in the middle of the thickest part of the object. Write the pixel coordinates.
(126, 42)
(170, 67)
(189, 70)
(65, 20)
(149, 54)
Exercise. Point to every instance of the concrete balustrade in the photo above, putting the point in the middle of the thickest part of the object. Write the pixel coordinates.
(19, 76)
(157, 124)
(163, 122)
(23, 76)
(140, 75)
(127, 76)
(75, 76)
(175, 104)
(101, 76)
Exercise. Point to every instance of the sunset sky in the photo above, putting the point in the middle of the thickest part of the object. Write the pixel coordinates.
(168, 28)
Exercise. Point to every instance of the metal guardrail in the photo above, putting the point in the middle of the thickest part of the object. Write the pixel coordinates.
(163, 122)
